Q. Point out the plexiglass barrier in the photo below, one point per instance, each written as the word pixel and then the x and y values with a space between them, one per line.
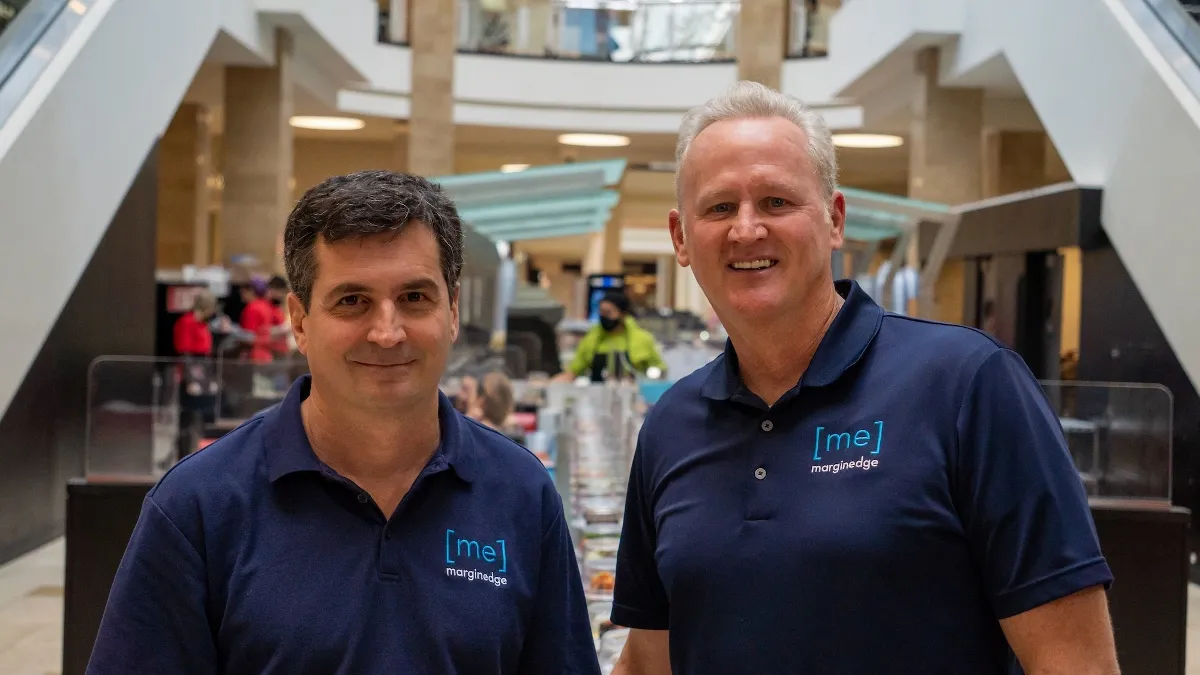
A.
pixel 1119 434
pixel 145 414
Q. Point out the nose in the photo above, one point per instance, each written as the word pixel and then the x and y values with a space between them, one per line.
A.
pixel 747 227
pixel 387 326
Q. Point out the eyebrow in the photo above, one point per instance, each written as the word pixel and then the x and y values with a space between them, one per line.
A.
pixel 351 287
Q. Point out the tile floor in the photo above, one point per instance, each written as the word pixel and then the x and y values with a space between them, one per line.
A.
pixel 31 602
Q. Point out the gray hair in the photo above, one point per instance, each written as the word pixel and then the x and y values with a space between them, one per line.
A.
pixel 749 100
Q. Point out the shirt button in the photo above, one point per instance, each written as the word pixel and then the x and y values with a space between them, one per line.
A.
pixel 362 498
pixel 768 425
pixel 760 473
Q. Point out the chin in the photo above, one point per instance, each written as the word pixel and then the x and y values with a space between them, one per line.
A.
pixel 754 305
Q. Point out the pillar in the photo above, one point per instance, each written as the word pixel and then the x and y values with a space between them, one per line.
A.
pixel 1014 161
pixel 184 166
pixel 531 32
pixel 433 38
pixel 762 40
pixel 258 158
pixel 945 164
pixel 664 283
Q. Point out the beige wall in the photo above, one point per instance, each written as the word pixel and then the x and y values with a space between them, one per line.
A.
pixel 762 40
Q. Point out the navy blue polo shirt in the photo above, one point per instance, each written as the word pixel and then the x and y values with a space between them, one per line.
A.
pixel 252 556
pixel 910 491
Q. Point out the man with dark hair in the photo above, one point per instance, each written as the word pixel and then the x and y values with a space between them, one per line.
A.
pixel 363 525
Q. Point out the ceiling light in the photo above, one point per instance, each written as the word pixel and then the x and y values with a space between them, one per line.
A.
pixel 513 168
pixel 872 141
pixel 327 123
pixel 594 140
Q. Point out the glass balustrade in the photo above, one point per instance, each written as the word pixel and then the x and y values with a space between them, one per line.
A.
pixel 617 30
pixel 808 27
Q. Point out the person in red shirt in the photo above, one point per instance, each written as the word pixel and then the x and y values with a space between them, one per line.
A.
pixel 256 320
pixel 277 290
pixel 192 335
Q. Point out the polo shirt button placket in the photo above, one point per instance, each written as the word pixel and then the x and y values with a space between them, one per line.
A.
pixel 768 425
pixel 760 473
pixel 363 498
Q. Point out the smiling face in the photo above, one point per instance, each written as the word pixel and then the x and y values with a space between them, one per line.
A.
pixel 381 321
pixel 754 227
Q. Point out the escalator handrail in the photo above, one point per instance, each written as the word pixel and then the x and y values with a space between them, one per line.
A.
pixel 26 30
pixel 1180 23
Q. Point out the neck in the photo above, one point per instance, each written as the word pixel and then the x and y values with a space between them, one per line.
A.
pixel 773 354
pixel 367 446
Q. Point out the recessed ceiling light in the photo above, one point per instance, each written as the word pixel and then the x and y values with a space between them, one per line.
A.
pixel 327 123
pixel 594 140
pixel 513 168
pixel 872 141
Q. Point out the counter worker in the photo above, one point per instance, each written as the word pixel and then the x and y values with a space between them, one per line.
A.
pixel 257 320
pixel 843 491
pixel 191 334
pixel 193 341
pixel 614 346
pixel 362 525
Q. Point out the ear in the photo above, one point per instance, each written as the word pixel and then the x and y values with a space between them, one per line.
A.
pixel 837 219
pixel 675 222
pixel 298 315
pixel 454 293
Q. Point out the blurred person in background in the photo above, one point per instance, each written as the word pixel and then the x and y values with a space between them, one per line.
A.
pixel 282 342
pixel 494 404
pixel 615 347
pixel 192 335
pixel 840 468
pixel 362 525
pixel 198 382
pixel 257 320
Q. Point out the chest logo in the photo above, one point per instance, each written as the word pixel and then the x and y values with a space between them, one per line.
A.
pixel 835 451
pixel 476 560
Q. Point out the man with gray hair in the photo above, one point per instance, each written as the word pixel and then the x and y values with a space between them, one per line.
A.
pixel 844 490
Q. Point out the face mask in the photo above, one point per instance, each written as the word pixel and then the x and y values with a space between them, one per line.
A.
pixel 277 301
pixel 609 324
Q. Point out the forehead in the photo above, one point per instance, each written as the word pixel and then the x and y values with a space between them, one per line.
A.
pixel 380 260
pixel 746 150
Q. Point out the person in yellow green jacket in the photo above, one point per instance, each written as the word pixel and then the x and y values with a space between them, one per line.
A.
pixel 615 346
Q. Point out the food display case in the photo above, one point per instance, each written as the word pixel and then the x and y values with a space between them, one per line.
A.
pixel 1119 435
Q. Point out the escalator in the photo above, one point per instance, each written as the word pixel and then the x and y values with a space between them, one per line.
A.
pixel 86 88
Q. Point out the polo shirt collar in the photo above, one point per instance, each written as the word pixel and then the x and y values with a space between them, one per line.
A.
pixel 848 337
pixel 288 450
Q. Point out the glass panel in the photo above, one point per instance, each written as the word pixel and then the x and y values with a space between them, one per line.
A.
pixel 1172 26
pixel 1119 435
pixel 619 31
pixel 145 414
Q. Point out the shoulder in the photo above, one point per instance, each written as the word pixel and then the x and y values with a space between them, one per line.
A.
pixel 925 342
pixel 498 457
pixel 204 480
pixel 681 401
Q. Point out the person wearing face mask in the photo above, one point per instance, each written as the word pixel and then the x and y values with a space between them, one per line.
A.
pixel 614 347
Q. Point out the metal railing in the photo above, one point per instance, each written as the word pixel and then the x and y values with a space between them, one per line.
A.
pixel 33 35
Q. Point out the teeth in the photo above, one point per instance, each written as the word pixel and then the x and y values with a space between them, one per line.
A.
pixel 752 265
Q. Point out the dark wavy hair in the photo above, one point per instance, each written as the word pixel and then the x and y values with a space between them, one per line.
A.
pixel 366 204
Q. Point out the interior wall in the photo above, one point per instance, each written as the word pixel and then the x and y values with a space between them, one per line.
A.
pixel 110 311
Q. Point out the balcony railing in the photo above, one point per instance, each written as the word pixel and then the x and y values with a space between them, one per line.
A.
pixel 612 30
pixel 808 27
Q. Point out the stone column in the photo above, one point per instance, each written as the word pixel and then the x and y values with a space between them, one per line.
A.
pixel 664 284
pixel 433 38
pixel 531 28
pixel 762 40
pixel 258 158
pixel 1013 161
pixel 945 163
pixel 184 166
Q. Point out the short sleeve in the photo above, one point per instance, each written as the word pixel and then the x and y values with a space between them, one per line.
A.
pixel 639 597
pixel 559 641
pixel 1019 494
pixel 155 621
